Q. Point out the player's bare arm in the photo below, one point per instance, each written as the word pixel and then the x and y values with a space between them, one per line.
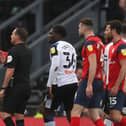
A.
pixel 92 72
pixel 120 78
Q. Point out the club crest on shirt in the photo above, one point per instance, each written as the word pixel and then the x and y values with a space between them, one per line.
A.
pixel 9 59
pixel 123 51
pixel 90 48
pixel 53 50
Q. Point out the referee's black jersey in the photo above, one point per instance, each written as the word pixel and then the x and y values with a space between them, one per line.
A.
pixel 20 58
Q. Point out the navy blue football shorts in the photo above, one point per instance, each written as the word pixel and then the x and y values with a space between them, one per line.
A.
pixel 98 94
pixel 116 102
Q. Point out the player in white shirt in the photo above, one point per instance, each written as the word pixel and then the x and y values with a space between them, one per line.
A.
pixel 62 81
pixel 108 49
pixel 63 64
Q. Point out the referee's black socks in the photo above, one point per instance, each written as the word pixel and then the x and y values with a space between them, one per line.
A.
pixel 9 122
pixel 19 122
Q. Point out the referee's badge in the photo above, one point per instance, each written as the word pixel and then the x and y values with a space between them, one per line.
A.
pixel 90 48
pixel 53 50
pixel 123 51
pixel 9 59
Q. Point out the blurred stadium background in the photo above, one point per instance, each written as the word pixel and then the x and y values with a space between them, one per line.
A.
pixel 38 16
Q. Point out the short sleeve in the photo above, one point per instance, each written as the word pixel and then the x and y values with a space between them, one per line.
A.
pixel 91 48
pixel 11 59
pixel 121 52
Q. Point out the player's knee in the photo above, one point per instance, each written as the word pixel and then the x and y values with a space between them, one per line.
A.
pixel 115 116
pixel 76 111
pixel 94 114
pixel 19 116
pixel 4 115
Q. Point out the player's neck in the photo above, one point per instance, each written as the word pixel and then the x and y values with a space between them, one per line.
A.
pixel 88 34
pixel 116 39
pixel 20 42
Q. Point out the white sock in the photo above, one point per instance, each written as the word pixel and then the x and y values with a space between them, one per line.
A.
pixel 50 123
pixel 107 122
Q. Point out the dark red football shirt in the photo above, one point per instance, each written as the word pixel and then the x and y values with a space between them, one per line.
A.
pixel 118 53
pixel 93 45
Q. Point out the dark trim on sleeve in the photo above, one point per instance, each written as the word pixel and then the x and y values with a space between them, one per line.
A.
pixel 120 47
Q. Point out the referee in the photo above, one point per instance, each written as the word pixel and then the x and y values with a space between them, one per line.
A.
pixel 15 89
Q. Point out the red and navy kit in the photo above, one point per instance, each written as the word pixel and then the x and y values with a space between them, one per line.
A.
pixel 118 53
pixel 93 45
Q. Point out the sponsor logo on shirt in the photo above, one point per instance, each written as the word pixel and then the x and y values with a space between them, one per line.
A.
pixel 123 51
pixel 90 48
pixel 53 50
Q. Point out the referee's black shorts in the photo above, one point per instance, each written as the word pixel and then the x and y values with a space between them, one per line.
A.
pixel 15 98
pixel 65 95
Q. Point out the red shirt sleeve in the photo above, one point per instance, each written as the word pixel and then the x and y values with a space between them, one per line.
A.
pixel 122 54
pixel 91 49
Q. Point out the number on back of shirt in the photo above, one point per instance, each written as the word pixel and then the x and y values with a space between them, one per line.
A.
pixel 70 60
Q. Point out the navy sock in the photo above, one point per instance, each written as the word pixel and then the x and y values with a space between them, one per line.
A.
pixel 9 122
pixel 49 121
pixel 19 122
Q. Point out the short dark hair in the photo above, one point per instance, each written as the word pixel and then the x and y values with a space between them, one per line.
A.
pixel 59 29
pixel 124 28
pixel 22 33
pixel 116 24
pixel 87 22
pixel 108 23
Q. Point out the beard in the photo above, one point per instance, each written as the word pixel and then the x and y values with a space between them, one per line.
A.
pixel 110 39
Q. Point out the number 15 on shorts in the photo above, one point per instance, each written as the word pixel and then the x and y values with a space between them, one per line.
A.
pixel 112 101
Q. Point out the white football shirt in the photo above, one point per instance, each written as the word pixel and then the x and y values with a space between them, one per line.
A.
pixel 63 64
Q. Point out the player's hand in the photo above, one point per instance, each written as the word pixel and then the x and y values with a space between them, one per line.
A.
pixel 2 93
pixel 50 92
pixel 2 57
pixel 89 91
pixel 79 82
pixel 114 91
